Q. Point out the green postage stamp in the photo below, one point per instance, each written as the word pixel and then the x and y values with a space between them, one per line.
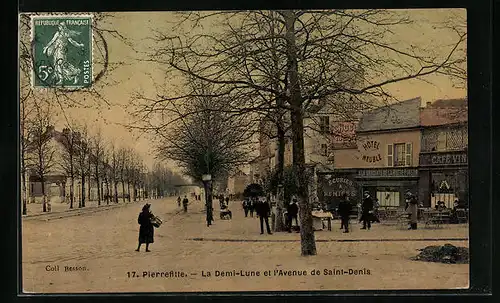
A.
pixel 62 51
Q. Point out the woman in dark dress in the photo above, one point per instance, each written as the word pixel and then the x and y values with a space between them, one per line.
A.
pixel 146 231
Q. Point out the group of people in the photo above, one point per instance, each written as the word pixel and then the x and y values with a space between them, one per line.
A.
pixel 369 207
pixel 263 210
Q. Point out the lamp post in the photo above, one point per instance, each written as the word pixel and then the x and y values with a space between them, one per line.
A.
pixel 207 178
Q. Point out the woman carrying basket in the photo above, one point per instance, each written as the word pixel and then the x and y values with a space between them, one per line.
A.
pixel 147 221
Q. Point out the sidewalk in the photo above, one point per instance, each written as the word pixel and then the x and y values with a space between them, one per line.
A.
pixel 62 210
pixel 241 228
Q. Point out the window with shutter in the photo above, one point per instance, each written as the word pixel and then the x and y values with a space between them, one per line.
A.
pixel 390 157
pixel 409 154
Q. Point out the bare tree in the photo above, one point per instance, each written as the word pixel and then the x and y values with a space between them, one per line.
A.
pixel 69 158
pixel 42 147
pixel 83 155
pixel 323 56
pixel 98 147
pixel 122 167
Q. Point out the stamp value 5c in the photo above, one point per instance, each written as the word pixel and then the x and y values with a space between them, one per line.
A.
pixel 62 51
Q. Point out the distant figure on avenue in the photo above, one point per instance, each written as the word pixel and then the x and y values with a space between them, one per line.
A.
pixel 367 211
pixel 412 208
pixel 263 210
pixel 292 210
pixel 185 203
pixel 374 216
pixel 179 201
pixel 227 201
pixel 246 206
pixel 146 231
pixel 345 208
pixel 251 206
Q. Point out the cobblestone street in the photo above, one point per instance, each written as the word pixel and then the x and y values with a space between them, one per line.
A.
pixel 99 248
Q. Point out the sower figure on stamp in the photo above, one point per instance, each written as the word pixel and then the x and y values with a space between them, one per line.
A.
pixel 263 211
pixel 146 231
pixel 345 208
pixel 57 48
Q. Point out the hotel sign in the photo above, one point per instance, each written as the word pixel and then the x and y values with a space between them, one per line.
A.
pixel 427 159
pixel 388 173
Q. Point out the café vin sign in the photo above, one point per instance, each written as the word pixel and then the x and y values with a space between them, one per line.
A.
pixel 428 159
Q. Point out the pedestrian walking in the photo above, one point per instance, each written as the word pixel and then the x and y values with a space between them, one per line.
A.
pixel 251 207
pixel 146 231
pixel 263 210
pixel 179 201
pixel 246 205
pixel 367 211
pixel 185 203
pixel 227 201
pixel 292 211
pixel 345 208
pixel 412 209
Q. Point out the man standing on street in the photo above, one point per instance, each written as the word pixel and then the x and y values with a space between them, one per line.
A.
pixel 263 211
pixel 412 209
pixel 292 210
pixel 345 208
pixel 366 211
pixel 185 203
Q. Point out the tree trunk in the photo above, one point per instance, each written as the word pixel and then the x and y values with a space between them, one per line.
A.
pixel 24 190
pixel 83 191
pixel 135 191
pixel 89 187
pixel 280 165
pixel 308 244
pixel 128 191
pixel 44 199
pixel 71 191
pixel 98 185
pixel 107 191
pixel 123 190
pixel 116 191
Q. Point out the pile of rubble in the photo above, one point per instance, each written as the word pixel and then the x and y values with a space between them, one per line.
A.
pixel 444 254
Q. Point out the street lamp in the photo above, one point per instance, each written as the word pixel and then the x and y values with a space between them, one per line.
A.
pixel 207 178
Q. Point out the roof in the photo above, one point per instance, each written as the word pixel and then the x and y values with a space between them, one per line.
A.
pixel 444 112
pixel 405 114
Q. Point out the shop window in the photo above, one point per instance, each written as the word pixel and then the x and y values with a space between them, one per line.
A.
pixel 390 155
pixel 441 141
pixel 388 198
pixel 409 154
pixel 447 198
pixel 324 124
pixel 400 154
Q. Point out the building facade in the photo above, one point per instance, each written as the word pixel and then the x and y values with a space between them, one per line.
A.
pixel 381 156
pixel 443 157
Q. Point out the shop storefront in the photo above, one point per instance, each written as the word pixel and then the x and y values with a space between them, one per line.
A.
pixel 388 185
pixel 333 185
pixel 444 177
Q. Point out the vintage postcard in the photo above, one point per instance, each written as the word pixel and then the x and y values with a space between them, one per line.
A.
pixel 222 151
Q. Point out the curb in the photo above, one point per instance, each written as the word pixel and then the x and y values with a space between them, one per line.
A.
pixel 73 212
pixel 330 240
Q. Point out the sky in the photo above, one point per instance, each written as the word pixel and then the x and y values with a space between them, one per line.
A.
pixel 137 75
